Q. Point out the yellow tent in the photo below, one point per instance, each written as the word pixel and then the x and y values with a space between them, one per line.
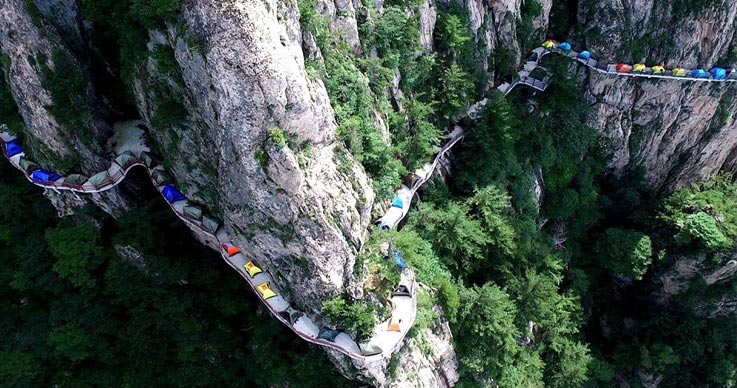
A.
pixel 658 69
pixel 679 72
pixel 639 67
pixel 252 269
pixel 265 291
pixel 548 44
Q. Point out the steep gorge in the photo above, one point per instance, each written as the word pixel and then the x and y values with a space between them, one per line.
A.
pixel 234 75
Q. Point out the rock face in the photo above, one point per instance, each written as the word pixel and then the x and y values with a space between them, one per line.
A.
pixel 284 201
pixel 680 132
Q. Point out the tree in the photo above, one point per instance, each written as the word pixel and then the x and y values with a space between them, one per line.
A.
pixel 702 230
pixel 626 252
pixel 486 338
pixel 351 316
pixel 77 251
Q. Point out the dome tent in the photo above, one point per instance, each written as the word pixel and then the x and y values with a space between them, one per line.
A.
pixel 585 55
pixel 718 72
pixel 397 202
pixel 172 194
pixel 679 72
pixel 639 67
pixel 699 73
pixel 658 69
pixel 28 165
pixel 12 148
pixel 548 44
pixel 624 68
pixel 99 179
pixel 44 176
pixel 565 46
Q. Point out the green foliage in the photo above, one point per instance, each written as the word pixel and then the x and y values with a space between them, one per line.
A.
pixel 487 315
pixel 626 252
pixel 278 137
pixel 702 229
pixel 704 214
pixel 76 247
pixel 179 317
pixel 9 114
pixel 70 95
pixel 352 316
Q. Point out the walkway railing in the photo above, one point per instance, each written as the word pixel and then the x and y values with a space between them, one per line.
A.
pixel 221 236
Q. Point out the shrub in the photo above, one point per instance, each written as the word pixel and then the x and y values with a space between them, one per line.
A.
pixel 278 137
pixel 352 316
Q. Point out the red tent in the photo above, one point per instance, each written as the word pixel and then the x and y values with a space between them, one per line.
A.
pixel 624 68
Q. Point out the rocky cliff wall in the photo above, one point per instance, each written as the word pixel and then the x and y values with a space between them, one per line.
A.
pixel 679 132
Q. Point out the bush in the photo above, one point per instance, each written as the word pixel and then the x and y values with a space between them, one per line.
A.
pixel 701 229
pixel 278 137
pixel 351 316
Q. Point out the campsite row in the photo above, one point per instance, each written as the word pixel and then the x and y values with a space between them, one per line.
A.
pixel 715 73
pixel 388 335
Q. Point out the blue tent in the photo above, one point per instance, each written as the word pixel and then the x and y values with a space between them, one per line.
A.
pixel 565 46
pixel 699 73
pixel 398 202
pixel 399 259
pixel 172 194
pixel 13 148
pixel 44 176
pixel 584 55
pixel 718 73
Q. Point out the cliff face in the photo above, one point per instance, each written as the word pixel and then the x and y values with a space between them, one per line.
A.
pixel 680 132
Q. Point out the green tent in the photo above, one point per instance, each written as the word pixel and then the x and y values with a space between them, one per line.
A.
pixel 193 211
pixel 211 224
pixel 75 179
pixel 369 349
pixel 328 334
pixel 147 159
pixel 125 159
pixel 28 165
pixel 99 179
pixel 292 314
pixel 160 177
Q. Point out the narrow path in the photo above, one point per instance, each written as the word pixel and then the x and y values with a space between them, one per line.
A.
pixel 131 151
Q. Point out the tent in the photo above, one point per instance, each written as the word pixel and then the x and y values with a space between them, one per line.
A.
pixel 75 179
pixel 172 194
pixel 125 159
pixel 679 72
pixel 100 179
pixel 718 73
pixel 624 68
pixel 328 334
pixel 639 67
pixel 533 57
pixel 160 177
pixel 252 268
pixel 44 176
pixel 658 69
pixel 230 248
pixel 585 55
pixel 699 73
pixel 368 349
pixel 265 291
pixel 147 159
pixel 13 148
pixel 211 224
pixel 292 314
pixel 565 46
pixel 192 211
pixel 393 326
pixel 401 290
pixel 28 165
pixel 397 202
pixel 399 259
pixel 548 44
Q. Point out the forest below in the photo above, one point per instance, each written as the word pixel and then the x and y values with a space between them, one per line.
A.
pixel 560 289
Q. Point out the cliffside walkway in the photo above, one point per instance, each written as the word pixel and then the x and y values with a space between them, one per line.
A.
pixel 131 152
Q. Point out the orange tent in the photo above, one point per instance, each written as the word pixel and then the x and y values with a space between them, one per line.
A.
pixel 394 326
pixel 624 68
